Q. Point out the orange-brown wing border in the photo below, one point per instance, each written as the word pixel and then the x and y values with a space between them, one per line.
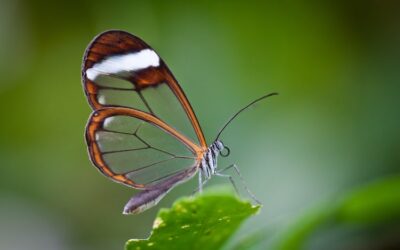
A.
pixel 96 121
pixel 113 42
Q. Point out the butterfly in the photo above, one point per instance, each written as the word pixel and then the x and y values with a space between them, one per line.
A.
pixel 143 131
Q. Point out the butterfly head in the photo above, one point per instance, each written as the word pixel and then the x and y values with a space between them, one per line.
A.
pixel 223 150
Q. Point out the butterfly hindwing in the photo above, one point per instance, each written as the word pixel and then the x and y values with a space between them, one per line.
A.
pixel 136 148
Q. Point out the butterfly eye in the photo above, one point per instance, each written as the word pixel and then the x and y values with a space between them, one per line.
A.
pixel 225 152
pixel 220 146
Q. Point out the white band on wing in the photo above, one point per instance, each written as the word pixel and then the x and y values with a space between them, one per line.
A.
pixel 124 63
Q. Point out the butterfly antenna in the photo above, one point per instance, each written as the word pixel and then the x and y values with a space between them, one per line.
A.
pixel 243 109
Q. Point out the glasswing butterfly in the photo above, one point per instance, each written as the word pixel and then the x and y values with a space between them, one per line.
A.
pixel 143 132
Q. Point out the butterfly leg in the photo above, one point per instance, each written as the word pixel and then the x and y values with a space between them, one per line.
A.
pixel 235 167
pixel 200 182
pixel 230 179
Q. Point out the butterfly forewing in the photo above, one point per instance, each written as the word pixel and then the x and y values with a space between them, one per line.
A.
pixel 121 70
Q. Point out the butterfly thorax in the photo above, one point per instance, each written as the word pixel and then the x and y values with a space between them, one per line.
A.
pixel 208 164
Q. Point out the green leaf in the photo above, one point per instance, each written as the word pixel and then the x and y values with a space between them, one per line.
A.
pixel 202 222
pixel 376 205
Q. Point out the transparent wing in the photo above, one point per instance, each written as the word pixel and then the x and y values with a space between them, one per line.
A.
pixel 136 148
pixel 120 70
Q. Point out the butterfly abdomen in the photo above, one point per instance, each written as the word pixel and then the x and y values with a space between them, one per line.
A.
pixel 151 196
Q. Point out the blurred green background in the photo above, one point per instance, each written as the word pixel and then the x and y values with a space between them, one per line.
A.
pixel 333 128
